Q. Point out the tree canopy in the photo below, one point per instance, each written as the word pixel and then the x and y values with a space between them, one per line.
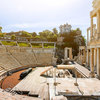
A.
pixel 48 35
pixel 73 39
pixel 0 29
pixel 34 34
pixel 55 31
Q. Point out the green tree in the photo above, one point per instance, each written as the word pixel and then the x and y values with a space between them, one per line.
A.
pixel 55 31
pixel 74 40
pixel 13 37
pixel 26 34
pixel 2 34
pixel 34 34
pixel 0 29
pixel 48 35
pixel 45 34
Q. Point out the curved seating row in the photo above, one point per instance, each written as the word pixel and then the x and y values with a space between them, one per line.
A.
pixel 14 58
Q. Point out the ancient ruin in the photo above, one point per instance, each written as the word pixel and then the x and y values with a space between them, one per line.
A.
pixel 79 79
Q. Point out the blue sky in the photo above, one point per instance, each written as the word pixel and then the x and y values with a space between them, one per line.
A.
pixel 38 15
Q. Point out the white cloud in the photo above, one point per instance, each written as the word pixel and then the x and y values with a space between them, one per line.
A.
pixel 34 25
pixel 43 14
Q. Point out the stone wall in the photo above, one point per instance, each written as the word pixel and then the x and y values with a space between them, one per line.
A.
pixel 12 57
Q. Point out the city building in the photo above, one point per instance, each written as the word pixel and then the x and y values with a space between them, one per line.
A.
pixel 65 28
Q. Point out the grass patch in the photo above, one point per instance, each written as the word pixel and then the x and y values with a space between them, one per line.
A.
pixel 39 45
pixel 36 45
pixel 48 45
pixel 24 44
pixel 9 43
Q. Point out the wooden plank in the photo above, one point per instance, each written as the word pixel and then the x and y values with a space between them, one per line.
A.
pixel 34 83
pixel 46 70
pixel 65 66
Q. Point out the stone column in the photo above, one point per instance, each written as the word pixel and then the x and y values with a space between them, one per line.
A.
pixel 81 56
pixel 95 58
pixel 87 57
pixel 91 27
pixel 84 56
pixel 66 54
pixel 92 60
pixel 98 24
pixel 98 62
pixel 70 53
pixel 87 36
pixel 92 74
pixel 94 30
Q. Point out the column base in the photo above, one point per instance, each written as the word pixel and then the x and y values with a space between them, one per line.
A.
pixel 98 77
pixel 87 65
pixel 98 35
pixel 92 74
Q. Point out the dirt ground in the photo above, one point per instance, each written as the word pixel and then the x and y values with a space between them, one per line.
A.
pixel 11 81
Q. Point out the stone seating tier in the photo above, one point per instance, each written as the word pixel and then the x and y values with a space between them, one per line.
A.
pixel 16 57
